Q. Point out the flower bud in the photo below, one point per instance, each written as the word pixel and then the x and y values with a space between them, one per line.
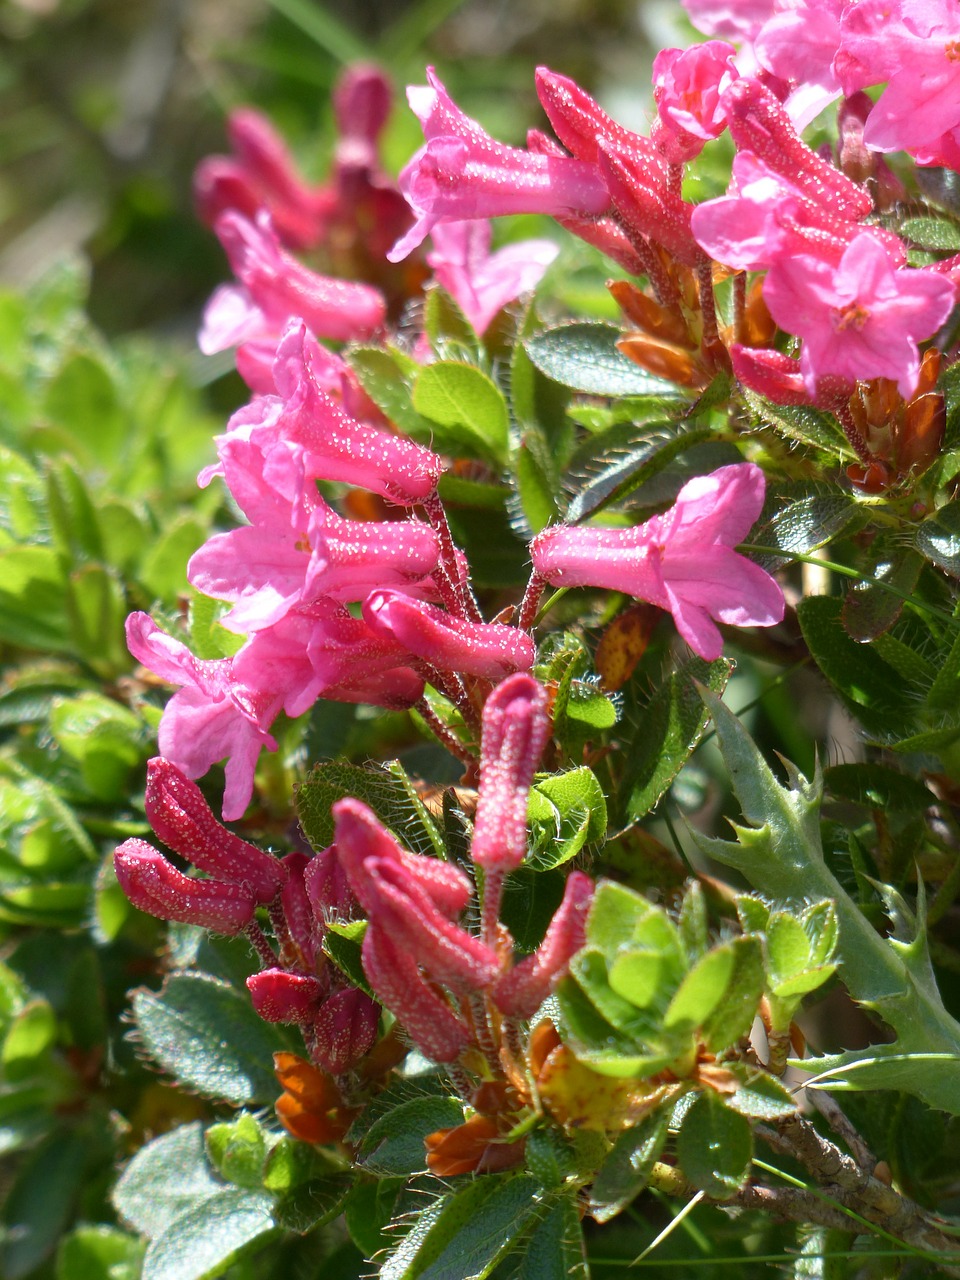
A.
pixel 154 885
pixel 522 990
pixel 515 730
pixel 182 819
pixel 281 996
pixel 344 1030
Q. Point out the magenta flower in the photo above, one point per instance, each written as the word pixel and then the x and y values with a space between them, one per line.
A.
pixel 155 886
pixel 182 819
pixel 913 45
pixel 515 730
pixel 861 319
pixel 682 561
pixel 521 991
pixel 687 84
pixel 490 650
pixel 481 282
pixel 463 173
pixel 277 288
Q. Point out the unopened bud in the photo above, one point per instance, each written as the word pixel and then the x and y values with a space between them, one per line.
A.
pixel 281 996
pixel 515 730
pixel 522 990
pixel 183 820
pixel 344 1030
pixel 154 885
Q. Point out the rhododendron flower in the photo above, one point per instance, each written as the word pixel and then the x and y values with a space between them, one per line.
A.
pixel 486 649
pixel 521 991
pixel 155 886
pixel 481 282
pixel 687 84
pixel 462 172
pixel 861 319
pixel 515 730
pixel 277 288
pixel 737 19
pixel 682 561
pixel 913 45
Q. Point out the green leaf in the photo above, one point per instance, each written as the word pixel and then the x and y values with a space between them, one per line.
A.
pixel 386 382
pixel 73 516
pixel 39 1203
pixel 163 570
pixel 802 423
pixel 714 1147
pixel 99 1253
pixel 610 467
pixel 96 606
pixel 674 721
pixel 385 788
pixel 394 1143
pixel 701 990
pixel 534 487
pixel 32 587
pixel 203 1241
pixel 342 942
pixel 82 401
pixel 808 523
pixel 446 326
pixel 566 812
pixel 464 1235
pixel 164 1179
pixel 932 233
pixel 103 737
pixel 555 1249
pixel 584 356
pixel 237 1150
pixel 877 786
pixel 31 1033
pixel 938 538
pixel 208 1037
pixel 461 396
pixel 313 1203
pixel 868 609
pixel 626 1170
pixel 759 1095
pixel 865 682
pixel 368 1211
pixel 733 1017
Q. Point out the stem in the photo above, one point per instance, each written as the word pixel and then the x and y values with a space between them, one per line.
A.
pixel 461 601
pixel 445 735
pixel 258 940
pixel 708 304
pixel 490 908
pixel 852 432
pixel 857 574
pixel 527 617
pixel 739 304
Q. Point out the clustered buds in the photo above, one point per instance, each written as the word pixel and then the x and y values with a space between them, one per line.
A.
pixel 298 985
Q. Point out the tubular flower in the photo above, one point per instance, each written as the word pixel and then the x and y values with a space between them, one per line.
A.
pixel 515 729
pixel 682 561
pixel 155 886
pixel 462 172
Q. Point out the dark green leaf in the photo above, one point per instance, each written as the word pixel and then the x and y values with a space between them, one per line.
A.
pixel 759 1095
pixel 342 943
pixel 714 1146
pixel 368 1210
pixel 584 356
pixel 869 609
pixel 877 786
pixel 938 538
pixel 39 1203
pixel 208 1037
pixel 623 459
pixel 446 326
pixel 385 788
pixel 932 233
pixel 164 1179
pixel 627 1168
pixel 465 1234
pixel 312 1203
pixel 555 1248
pixel 810 522
pixel 800 422
pixel 868 685
pixel 204 1240
pixel 387 384
pixel 99 1253
pixel 394 1143
pixel 674 721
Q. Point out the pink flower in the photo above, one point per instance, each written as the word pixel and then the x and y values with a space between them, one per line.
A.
pixel 736 19
pixel 861 319
pixel 462 172
pixel 205 721
pixel 914 45
pixel 481 282
pixel 154 885
pixel 276 288
pixel 487 649
pixel 521 991
pixel 515 729
pixel 687 84
pixel 682 560
pixel 182 819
